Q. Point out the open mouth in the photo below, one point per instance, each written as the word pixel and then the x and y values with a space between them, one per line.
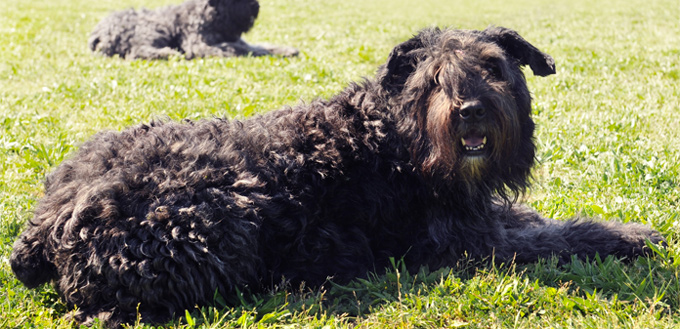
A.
pixel 473 143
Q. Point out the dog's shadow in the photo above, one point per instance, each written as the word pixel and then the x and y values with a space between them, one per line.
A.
pixel 465 291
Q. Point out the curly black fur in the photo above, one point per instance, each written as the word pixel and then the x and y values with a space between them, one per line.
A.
pixel 196 28
pixel 425 161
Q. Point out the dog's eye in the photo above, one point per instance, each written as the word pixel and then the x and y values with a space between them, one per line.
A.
pixel 494 71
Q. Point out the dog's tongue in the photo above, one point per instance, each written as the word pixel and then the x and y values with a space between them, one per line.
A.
pixel 473 141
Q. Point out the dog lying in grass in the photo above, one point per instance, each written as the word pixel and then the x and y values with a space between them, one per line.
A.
pixel 425 161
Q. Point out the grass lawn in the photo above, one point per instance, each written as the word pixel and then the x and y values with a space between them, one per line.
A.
pixel 608 135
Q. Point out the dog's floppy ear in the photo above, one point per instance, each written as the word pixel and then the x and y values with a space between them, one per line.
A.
pixel 402 61
pixel 514 45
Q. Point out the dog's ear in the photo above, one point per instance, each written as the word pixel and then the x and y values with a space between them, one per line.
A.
pixel 402 61
pixel 514 45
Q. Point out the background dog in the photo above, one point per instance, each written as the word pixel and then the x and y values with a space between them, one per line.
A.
pixel 196 28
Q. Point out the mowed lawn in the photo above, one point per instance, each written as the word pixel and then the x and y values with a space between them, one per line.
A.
pixel 608 131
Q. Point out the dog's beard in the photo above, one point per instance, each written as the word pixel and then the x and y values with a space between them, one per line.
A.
pixel 472 172
pixel 473 155
pixel 473 167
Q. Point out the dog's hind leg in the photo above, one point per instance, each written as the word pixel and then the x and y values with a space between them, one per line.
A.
pixel 29 261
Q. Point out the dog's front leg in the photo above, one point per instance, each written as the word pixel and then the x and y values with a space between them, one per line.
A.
pixel 151 52
pixel 199 49
pixel 277 50
pixel 530 236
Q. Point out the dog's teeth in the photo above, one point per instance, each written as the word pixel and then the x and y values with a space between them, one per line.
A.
pixel 474 148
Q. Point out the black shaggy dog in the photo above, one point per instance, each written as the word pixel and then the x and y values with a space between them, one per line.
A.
pixel 425 161
pixel 196 28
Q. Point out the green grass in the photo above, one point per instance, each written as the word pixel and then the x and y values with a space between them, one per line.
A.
pixel 608 135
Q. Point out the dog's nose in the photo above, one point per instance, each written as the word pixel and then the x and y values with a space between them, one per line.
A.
pixel 472 111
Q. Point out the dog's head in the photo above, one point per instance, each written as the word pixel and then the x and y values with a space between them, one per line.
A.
pixel 466 107
pixel 235 16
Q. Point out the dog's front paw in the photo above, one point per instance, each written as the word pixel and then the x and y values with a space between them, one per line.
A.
pixel 636 237
pixel 284 51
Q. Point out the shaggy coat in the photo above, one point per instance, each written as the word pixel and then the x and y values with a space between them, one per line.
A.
pixel 196 28
pixel 425 162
